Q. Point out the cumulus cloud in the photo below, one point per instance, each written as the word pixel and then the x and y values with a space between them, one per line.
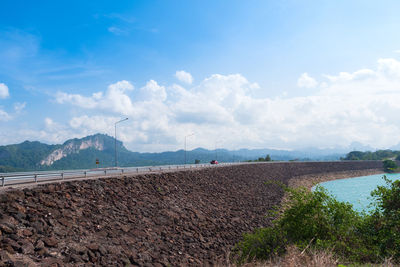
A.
pixel 115 99
pixel 353 106
pixel 362 74
pixel 184 76
pixel 4 91
pixel 4 116
pixel 306 81
pixel 153 91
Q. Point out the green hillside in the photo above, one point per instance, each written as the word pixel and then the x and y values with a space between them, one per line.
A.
pixel 82 154
pixel 24 156
pixel 377 155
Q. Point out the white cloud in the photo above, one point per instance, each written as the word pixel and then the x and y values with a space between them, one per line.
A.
pixel 184 76
pixel 49 122
pixel 357 106
pixel 115 99
pixel 152 91
pixel 389 67
pixel 4 93
pixel 306 81
pixel 18 107
pixel 116 30
pixel 4 116
pixel 362 74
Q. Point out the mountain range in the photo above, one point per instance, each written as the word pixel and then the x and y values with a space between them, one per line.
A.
pixel 83 153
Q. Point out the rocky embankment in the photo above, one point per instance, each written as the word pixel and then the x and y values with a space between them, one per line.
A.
pixel 168 219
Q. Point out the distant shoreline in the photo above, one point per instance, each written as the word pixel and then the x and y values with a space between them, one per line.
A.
pixel 311 180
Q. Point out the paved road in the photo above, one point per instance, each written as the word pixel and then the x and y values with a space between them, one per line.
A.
pixel 29 179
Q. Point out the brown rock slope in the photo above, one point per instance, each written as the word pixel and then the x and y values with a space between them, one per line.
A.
pixel 181 218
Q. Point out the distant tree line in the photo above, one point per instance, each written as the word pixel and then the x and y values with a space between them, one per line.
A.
pixel 267 158
pixel 377 155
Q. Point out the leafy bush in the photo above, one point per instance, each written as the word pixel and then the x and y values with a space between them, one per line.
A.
pixel 386 217
pixel 262 244
pixel 389 165
pixel 319 221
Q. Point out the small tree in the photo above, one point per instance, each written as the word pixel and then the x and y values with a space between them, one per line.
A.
pixel 268 158
pixel 386 218
pixel 389 165
pixel 196 161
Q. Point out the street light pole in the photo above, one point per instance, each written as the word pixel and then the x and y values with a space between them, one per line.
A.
pixel 185 144
pixel 216 157
pixel 115 125
pixel 216 153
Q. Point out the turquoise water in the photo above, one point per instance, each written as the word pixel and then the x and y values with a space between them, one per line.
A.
pixel 357 191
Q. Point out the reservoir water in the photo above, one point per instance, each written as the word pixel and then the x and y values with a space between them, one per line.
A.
pixel 357 191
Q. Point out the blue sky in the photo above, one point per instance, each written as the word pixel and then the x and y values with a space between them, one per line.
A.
pixel 283 74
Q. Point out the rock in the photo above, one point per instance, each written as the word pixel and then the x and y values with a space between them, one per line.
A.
pixel 125 228
pixel 78 248
pixel 51 188
pixel 42 252
pixel 85 257
pixel 27 248
pixel 9 220
pixel 17 207
pixel 92 256
pixel 65 222
pixel 39 245
pixel 7 228
pixel 14 237
pixel 27 232
pixel 12 243
pixel 102 250
pixel 52 262
pixel 93 247
pixel 50 241
pixel 8 248
pixel 6 257
pixel 38 226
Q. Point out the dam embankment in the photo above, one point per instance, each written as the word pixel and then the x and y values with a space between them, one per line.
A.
pixel 167 219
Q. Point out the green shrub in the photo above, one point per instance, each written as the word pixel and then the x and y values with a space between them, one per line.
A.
pixel 317 220
pixel 389 165
pixel 386 218
pixel 263 244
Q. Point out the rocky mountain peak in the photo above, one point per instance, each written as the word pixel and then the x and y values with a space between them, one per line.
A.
pixel 99 142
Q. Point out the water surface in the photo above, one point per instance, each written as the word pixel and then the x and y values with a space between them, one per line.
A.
pixel 357 191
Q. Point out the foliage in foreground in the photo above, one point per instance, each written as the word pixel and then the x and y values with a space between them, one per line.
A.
pixel 317 221
pixel 389 166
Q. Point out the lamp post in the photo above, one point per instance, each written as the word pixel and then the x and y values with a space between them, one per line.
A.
pixel 216 157
pixel 216 153
pixel 115 125
pixel 185 143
